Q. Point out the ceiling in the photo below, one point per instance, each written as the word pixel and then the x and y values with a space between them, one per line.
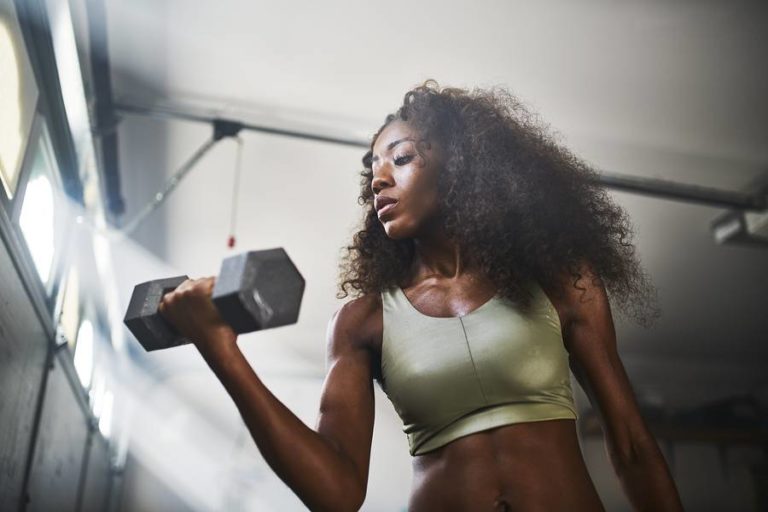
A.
pixel 671 90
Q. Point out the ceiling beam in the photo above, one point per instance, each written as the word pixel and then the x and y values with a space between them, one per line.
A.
pixel 663 189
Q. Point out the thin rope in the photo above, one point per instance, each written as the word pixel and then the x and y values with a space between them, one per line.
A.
pixel 235 190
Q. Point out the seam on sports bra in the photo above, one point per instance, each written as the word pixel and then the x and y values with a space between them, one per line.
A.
pixel 383 382
pixel 471 358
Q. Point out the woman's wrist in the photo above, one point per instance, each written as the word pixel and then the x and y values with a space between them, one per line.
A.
pixel 218 344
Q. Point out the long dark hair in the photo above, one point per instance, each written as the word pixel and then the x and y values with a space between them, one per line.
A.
pixel 524 206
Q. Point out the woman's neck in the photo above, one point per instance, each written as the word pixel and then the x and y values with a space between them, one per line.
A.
pixel 439 257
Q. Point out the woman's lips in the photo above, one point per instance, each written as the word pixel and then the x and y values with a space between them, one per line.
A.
pixel 386 209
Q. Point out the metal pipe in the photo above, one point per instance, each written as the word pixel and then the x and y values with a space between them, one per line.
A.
pixel 169 187
pixel 682 192
pixel 163 113
pixel 647 186
pixel 106 137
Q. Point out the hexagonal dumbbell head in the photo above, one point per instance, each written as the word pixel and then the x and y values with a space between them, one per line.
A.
pixel 144 320
pixel 258 290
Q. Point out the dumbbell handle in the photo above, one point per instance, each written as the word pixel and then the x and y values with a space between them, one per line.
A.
pixel 145 321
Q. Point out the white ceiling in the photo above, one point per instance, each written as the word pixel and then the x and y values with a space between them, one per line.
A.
pixel 681 75
pixel 649 88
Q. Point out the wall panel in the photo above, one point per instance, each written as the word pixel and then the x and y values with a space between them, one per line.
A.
pixel 23 349
pixel 59 452
pixel 97 476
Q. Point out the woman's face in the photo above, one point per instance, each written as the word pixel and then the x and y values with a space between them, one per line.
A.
pixel 406 169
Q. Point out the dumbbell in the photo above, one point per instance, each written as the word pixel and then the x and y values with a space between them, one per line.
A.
pixel 255 290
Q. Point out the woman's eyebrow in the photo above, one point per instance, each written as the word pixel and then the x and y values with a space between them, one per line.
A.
pixel 392 145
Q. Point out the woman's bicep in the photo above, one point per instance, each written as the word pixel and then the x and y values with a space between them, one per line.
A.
pixel 595 362
pixel 346 412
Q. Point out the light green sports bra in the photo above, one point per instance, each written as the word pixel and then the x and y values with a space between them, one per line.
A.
pixel 454 376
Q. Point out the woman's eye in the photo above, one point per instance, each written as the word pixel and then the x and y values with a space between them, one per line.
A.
pixel 402 160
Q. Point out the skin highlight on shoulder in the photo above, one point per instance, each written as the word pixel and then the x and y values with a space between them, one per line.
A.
pixel 362 318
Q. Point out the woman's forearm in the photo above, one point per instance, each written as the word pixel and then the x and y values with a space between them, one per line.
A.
pixel 648 482
pixel 321 476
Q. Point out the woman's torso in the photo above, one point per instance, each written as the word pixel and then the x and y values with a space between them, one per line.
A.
pixel 526 466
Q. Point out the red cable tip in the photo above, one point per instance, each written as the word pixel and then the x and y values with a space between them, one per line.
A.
pixel 231 241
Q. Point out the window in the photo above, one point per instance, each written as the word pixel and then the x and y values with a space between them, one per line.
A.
pixel 43 214
pixel 18 98
pixel 84 353
pixel 101 400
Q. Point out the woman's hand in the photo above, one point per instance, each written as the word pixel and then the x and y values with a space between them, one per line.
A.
pixel 190 310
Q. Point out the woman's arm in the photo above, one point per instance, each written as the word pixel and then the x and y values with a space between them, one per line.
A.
pixel 327 468
pixel 590 339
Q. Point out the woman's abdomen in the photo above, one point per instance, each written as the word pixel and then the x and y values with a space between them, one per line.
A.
pixel 527 467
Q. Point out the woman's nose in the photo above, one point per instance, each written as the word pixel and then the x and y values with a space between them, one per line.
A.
pixel 380 181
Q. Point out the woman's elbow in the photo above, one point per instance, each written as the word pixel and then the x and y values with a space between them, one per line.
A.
pixel 343 497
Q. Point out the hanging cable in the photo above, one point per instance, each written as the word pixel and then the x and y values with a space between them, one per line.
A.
pixel 222 128
pixel 235 189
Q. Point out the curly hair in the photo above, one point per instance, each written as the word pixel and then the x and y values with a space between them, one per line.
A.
pixel 521 204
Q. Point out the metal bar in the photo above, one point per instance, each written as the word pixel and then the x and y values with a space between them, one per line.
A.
pixel 163 113
pixel 169 187
pixel 679 191
pixel 647 186
pixel 106 138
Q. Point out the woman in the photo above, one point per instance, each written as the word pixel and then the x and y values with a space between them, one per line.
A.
pixel 483 268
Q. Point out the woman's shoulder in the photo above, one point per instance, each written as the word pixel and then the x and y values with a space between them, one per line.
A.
pixel 362 318
pixel 568 294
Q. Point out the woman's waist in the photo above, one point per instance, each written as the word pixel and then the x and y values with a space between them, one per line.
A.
pixel 504 449
pixel 520 465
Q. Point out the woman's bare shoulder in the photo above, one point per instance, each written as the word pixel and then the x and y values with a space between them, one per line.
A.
pixel 362 319
pixel 569 291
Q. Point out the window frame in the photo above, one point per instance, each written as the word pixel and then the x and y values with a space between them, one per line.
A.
pixel 7 202
pixel 34 25
pixel 61 254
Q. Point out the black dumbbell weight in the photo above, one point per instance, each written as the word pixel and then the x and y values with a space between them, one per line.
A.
pixel 255 290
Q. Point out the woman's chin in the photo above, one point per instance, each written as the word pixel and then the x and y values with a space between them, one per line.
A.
pixel 394 231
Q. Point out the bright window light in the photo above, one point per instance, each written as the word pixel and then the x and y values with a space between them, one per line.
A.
pixel 36 223
pixel 105 420
pixel 101 399
pixel 84 353
pixel 44 213
pixel 10 137
pixel 97 394
pixel 18 95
